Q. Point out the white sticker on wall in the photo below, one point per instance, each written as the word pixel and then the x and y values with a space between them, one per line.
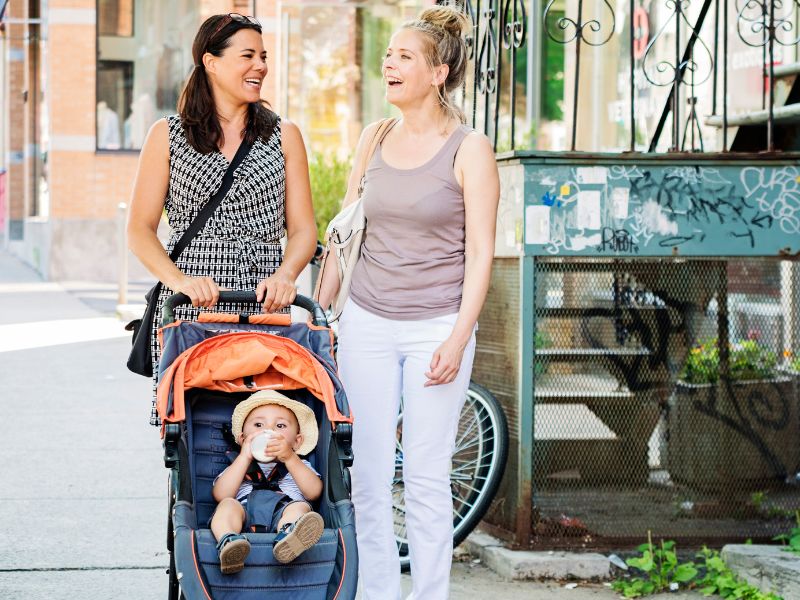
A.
pixel 592 175
pixel 537 224
pixel 619 202
pixel 588 210
pixel 578 243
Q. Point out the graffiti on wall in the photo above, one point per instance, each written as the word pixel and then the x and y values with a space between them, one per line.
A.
pixel 632 210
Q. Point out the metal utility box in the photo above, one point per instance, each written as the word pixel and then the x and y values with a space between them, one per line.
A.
pixel 641 331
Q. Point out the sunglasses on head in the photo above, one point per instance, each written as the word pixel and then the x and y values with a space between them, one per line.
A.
pixel 230 17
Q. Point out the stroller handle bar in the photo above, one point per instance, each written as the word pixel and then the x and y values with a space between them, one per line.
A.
pixel 242 297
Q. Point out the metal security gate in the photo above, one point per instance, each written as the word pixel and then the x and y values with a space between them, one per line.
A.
pixel 640 421
pixel 664 340
pixel 642 333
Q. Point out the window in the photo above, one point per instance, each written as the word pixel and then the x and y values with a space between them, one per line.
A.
pixel 114 96
pixel 144 56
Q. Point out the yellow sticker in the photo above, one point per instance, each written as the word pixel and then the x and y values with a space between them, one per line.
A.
pixel 797 179
pixel 565 190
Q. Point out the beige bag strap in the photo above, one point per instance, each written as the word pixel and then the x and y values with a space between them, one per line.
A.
pixel 383 128
pixel 380 133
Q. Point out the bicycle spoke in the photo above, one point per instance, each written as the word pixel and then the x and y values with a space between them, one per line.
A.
pixel 469 487
pixel 474 443
pixel 465 503
pixel 465 465
pixel 471 427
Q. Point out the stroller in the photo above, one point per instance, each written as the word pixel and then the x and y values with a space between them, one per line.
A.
pixel 207 367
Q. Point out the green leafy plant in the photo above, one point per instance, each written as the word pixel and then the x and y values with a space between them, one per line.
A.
pixel 661 570
pixel 791 539
pixel 329 176
pixel 748 360
pixel 721 581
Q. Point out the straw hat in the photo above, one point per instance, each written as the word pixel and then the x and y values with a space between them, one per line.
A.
pixel 305 416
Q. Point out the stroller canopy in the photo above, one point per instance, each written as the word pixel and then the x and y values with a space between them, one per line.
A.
pixel 239 359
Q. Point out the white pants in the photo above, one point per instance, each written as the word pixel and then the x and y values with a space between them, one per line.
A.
pixel 380 360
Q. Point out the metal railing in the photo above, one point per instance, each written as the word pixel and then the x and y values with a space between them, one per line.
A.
pixel 688 53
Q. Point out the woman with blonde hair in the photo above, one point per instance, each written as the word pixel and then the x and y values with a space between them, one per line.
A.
pixel 408 327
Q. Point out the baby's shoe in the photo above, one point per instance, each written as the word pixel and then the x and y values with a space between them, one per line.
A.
pixel 295 538
pixel 233 548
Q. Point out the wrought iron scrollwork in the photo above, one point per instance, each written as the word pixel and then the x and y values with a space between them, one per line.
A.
pixel 488 55
pixel 514 35
pixel 762 24
pixel 496 25
pixel 514 18
pixel 759 17
pixel 591 32
pixel 676 70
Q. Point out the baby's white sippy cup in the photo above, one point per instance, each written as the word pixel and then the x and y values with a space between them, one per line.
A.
pixel 258 446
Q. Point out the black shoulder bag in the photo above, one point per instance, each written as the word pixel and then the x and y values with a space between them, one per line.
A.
pixel 141 358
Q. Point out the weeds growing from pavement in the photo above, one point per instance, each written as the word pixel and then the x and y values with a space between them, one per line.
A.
pixel 661 571
pixel 791 539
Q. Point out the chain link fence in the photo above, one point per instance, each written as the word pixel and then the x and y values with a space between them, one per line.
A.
pixel 665 400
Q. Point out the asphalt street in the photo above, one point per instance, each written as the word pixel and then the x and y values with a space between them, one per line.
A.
pixel 83 495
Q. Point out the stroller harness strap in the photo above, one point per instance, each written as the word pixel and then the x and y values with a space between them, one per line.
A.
pixel 256 476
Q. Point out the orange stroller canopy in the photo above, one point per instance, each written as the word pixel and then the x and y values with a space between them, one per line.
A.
pixel 244 361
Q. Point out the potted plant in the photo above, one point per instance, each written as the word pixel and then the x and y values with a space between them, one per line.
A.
pixel 733 420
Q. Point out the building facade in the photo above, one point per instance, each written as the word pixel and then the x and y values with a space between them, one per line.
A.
pixel 83 80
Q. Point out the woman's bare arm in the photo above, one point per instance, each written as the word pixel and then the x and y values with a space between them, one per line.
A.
pixel 279 290
pixel 147 204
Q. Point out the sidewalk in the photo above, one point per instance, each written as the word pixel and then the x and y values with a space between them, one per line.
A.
pixel 83 503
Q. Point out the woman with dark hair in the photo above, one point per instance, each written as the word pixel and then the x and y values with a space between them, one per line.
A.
pixel 408 326
pixel 181 167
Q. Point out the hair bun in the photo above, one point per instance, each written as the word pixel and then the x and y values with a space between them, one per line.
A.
pixel 448 18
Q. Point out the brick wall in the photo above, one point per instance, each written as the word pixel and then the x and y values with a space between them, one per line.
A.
pixel 15 35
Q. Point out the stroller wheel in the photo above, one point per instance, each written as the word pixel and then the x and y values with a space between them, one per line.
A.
pixel 479 460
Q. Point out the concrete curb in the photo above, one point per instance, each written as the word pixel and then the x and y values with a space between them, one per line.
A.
pixel 768 568
pixel 527 565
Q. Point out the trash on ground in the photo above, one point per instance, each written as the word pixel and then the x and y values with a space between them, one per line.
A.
pixel 617 562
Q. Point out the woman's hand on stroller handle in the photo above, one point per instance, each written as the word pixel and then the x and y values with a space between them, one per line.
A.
pixel 202 291
pixel 276 291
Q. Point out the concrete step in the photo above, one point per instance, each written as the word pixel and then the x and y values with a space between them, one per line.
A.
pixel 790 112
pixel 543 565
pixel 768 568
pixel 787 70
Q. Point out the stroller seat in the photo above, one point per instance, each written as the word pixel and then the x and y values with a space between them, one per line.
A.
pixel 195 447
pixel 208 414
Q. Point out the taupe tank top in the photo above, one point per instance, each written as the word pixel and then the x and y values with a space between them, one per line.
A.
pixel 412 254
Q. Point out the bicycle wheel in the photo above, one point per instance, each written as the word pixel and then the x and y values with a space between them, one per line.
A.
pixel 479 460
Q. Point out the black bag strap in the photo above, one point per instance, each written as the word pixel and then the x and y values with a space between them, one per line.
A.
pixel 209 208
pixel 213 202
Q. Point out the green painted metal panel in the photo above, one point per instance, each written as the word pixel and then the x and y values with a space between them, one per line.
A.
pixel 526 403
pixel 602 206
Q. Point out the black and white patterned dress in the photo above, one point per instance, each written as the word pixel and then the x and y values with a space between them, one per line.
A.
pixel 240 244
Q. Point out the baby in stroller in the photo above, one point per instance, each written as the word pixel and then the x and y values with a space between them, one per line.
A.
pixel 269 496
